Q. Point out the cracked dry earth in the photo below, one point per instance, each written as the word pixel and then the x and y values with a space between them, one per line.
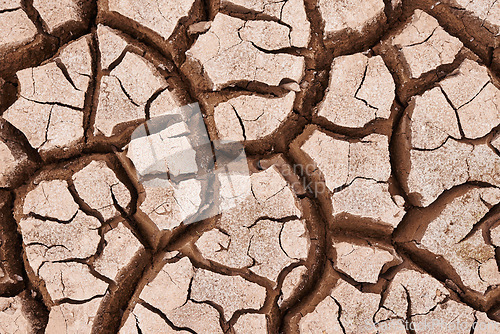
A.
pixel 370 198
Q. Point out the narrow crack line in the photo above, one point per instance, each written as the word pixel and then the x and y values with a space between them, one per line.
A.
pixel 45 194
pixel 360 86
pixel 240 91
pixel 137 325
pixel 339 189
pixel 85 261
pixel 36 243
pixel 100 276
pixel 190 289
pixel 239 32
pixel 258 117
pixel 348 163
pixel 433 149
pixel 285 219
pixel 424 41
pixel 221 230
pixel 254 262
pixel 475 227
pixel 486 204
pixel 117 205
pixel 148 106
pixel 247 14
pixel 217 307
pixel 82 205
pixel 290 28
pixel 290 49
pixel 240 121
pixel 156 209
pixel 457 8
pixel 100 247
pixel 221 52
pixel 222 248
pixel 46 139
pixel 64 70
pixel 162 315
pixel 281 244
pixel 491 32
pixel 493 100
pixel 125 91
pixel 90 106
pixel 477 94
pixel 71 260
pixel 352 251
pixel 10 10
pixel 408 310
pixel 53 103
pixel 161 12
pixel 52 219
pixel 170 278
pixel 437 128
pixel 460 128
pixel 468 165
pixel 474 324
pixel 65 323
pixel 339 314
pixel 62 283
pixel 33 81
pixel 382 307
pixel 77 301
pixel 40 267
pixel 276 193
pixel 218 47
pixel 432 309
pixel 281 9
pixel 479 264
pixel 487 14
pixel 118 60
pixel 129 217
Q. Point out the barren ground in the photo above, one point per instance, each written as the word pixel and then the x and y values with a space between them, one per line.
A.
pixel 370 195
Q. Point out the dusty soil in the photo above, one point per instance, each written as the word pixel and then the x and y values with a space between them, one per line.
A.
pixel 370 195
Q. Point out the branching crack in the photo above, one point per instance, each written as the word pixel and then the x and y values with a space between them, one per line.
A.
pixel 359 88
pixel 339 314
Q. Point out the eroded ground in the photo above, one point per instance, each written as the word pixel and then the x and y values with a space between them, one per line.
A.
pixel 368 202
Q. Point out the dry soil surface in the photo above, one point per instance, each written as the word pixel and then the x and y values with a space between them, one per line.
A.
pixel 369 200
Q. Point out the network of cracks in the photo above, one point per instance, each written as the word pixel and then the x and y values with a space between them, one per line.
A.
pixel 366 199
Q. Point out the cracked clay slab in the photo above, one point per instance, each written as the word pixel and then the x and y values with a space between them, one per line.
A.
pixel 225 55
pixel 360 90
